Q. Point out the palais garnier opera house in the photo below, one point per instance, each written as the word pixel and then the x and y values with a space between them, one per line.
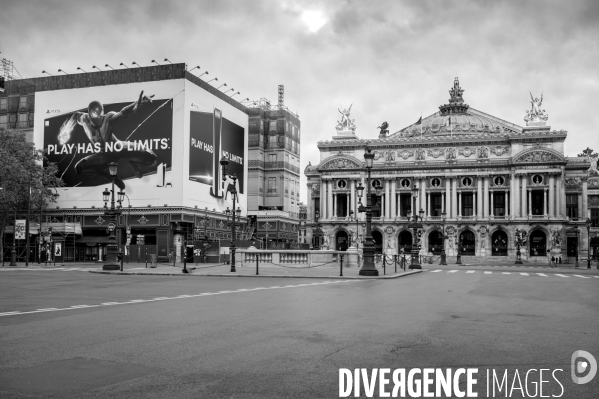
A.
pixel 481 179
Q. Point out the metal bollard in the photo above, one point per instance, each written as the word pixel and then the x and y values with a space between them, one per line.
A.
pixel 146 259
pixel 341 265
pixel 257 261
pixel 395 262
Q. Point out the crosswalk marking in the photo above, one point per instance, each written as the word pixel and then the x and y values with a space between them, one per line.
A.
pixel 488 272
pixel 470 271
pixel 542 275
pixel 506 273
pixel 435 271
pixel 524 274
pixel 561 275
pixel 453 271
pixel 578 275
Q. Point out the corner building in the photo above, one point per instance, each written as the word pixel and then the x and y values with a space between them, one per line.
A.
pixel 488 175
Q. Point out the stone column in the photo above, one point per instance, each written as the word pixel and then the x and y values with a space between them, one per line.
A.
pixel 486 197
pixel 329 200
pixel 479 197
pixel 454 198
pixel 558 196
pixel 551 196
pixel 412 201
pixel 529 202
pixel 545 202
pixel 334 204
pixel 585 198
pixel 387 198
pixel 323 198
pixel 524 194
pixel 393 198
pixel 515 211
pixel 447 202
pixel 422 195
pixel 354 200
pixel 460 204
pixel 507 208
pixel 443 199
pixel 428 205
pixel 491 213
pixel 348 204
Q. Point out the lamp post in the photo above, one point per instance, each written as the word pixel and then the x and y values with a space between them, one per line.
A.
pixel 415 225
pixel 368 269
pixel 316 231
pixel 588 223
pixel 112 212
pixel 520 238
pixel 443 254
pixel 267 226
pixel 224 162
pixel 577 245
pixel 49 250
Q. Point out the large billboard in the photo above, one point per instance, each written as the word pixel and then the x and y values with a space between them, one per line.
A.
pixel 135 135
pixel 213 136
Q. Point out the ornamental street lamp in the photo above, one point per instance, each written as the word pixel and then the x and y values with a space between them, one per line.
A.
pixel 443 255
pixel 224 162
pixel 368 269
pixel 112 212
pixel 316 231
pixel 520 239
pixel 588 223
pixel 416 225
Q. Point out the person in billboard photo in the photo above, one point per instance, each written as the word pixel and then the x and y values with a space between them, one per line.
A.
pixel 98 127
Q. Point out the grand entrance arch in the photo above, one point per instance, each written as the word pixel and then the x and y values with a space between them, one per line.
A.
pixel 435 242
pixel 499 243
pixel 341 241
pixel 378 241
pixel 468 240
pixel 538 243
pixel 404 241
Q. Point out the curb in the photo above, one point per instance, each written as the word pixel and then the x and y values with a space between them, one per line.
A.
pixel 394 276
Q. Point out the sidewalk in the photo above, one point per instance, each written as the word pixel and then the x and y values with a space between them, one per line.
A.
pixel 266 270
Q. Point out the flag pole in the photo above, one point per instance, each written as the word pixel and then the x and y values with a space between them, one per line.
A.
pixel 421 125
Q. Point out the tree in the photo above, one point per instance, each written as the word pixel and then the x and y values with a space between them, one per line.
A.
pixel 22 171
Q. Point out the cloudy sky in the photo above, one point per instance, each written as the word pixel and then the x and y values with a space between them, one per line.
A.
pixel 392 60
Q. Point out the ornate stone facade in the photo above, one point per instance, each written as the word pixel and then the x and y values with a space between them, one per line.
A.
pixel 488 176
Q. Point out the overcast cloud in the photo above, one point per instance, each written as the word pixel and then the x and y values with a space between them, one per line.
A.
pixel 392 59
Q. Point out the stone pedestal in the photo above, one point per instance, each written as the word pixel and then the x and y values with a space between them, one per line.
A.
pixel 351 258
pixel 344 135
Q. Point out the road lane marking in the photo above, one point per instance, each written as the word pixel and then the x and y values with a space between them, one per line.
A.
pixel 562 275
pixel 506 273
pixel 470 271
pixel 578 275
pixel 542 275
pixel 136 301
pixel 436 271
pixel 524 274
pixel 452 271
pixel 488 273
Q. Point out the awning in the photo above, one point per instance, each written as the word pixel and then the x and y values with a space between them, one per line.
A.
pixel 58 228
pixel 92 240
